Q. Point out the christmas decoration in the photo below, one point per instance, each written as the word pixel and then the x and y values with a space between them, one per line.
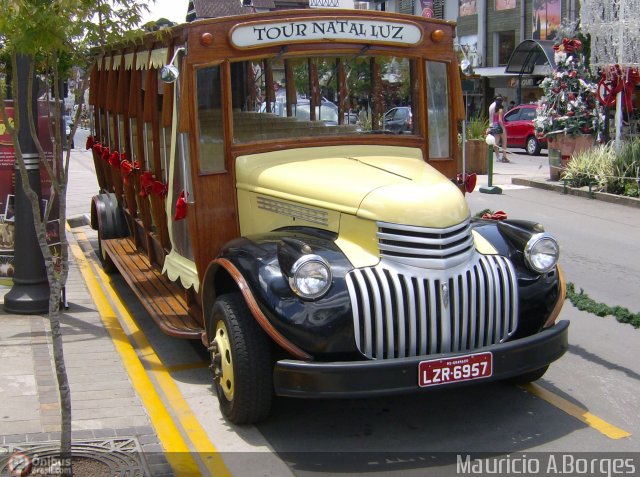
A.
pixel 181 207
pixel 569 105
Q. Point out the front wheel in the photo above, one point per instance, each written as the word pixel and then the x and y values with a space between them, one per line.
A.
pixel 241 361
pixel 533 146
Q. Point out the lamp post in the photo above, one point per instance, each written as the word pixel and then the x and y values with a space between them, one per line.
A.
pixel 490 189
pixel 30 292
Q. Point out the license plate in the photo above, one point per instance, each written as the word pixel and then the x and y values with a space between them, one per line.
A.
pixel 436 372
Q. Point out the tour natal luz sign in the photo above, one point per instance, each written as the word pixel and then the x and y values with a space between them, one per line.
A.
pixel 258 34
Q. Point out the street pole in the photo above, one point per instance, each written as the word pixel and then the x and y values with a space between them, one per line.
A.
pixel 30 292
pixel 490 189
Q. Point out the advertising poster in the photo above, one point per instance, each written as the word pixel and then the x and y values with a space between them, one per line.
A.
pixel 505 5
pixel 467 7
pixel 7 191
pixel 545 18
pixel 427 8
pixel 7 200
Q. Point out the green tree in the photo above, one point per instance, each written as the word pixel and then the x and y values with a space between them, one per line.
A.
pixel 54 35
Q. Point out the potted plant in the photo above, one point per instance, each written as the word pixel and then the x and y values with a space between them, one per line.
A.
pixel 475 146
pixel 568 113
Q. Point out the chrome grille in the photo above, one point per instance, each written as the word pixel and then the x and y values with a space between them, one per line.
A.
pixel 401 311
pixel 424 246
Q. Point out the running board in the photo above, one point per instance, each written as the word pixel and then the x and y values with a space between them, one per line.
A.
pixel 162 298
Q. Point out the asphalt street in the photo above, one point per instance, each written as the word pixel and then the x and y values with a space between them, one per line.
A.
pixel 579 406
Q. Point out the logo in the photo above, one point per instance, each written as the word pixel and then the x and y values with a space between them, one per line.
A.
pixel 444 295
pixel 19 464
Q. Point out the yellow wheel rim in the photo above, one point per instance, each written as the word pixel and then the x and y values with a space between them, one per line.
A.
pixel 224 361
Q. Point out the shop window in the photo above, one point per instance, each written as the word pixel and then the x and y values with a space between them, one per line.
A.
pixel 505 43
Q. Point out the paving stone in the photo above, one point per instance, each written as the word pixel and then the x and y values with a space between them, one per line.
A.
pixel 15 438
pixel 21 427
pixel 104 433
pixel 147 439
pixel 82 434
pixel 38 437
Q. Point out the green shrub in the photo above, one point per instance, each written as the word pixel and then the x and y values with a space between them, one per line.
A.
pixel 477 127
pixel 626 169
pixel 595 165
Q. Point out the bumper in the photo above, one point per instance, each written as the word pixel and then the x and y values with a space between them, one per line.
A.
pixel 396 376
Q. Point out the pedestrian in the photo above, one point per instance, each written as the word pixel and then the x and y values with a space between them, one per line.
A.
pixel 496 116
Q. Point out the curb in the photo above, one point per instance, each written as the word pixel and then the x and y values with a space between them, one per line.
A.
pixel 545 184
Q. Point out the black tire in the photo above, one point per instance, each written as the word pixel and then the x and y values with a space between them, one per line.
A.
pixel 105 260
pixel 240 354
pixel 533 146
pixel 529 377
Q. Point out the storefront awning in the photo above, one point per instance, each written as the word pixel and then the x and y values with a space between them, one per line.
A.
pixel 529 54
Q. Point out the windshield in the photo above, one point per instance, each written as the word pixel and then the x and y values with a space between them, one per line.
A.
pixel 277 98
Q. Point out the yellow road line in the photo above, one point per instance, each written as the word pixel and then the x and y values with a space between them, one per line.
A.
pixel 178 453
pixel 197 435
pixel 583 415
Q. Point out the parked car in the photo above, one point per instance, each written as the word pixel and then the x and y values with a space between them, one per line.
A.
pixel 68 126
pixel 520 129
pixel 398 120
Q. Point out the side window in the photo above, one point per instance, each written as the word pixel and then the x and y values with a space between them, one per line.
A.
pixel 211 140
pixel 528 114
pixel 512 116
pixel 438 110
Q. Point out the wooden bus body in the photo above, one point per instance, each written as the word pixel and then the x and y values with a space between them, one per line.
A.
pixel 279 186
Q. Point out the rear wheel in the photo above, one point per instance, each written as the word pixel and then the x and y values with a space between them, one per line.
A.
pixel 241 361
pixel 529 377
pixel 533 146
pixel 105 260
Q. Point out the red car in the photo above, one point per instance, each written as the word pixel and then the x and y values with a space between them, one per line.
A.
pixel 520 129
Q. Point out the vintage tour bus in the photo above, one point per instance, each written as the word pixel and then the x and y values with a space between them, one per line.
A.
pixel 279 186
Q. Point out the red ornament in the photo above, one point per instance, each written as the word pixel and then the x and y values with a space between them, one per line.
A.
pixel 570 114
pixel 181 207
pixel 572 97
pixel 563 85
pixel 497 215
pixel 572 74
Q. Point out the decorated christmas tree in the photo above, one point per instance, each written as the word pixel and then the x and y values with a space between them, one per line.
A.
pixel 569 104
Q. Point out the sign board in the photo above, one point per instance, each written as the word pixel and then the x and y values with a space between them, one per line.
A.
pixel 331 4
pixel 7 192
pixel 356 30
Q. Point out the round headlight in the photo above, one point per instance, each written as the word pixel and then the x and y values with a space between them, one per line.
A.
pixel 310 277
pixel 542 252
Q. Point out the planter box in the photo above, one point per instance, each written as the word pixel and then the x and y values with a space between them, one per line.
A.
pixel 476 156
pixel 561 148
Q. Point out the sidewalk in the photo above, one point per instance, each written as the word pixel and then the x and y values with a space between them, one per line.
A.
pixel 533 171
pixel 108 416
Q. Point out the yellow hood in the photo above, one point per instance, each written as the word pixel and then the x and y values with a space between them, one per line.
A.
pixel 390 184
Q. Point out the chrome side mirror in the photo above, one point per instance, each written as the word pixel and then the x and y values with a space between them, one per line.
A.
pixel 169 73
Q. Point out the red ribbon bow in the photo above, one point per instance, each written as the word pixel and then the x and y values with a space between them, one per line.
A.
pixel 181 207
pixel 114 159
pixel 127 167
pixel 497 215
pixel 160 189
pixel 146 181
pixel 90 142
pixel 106 153
pixel 97 147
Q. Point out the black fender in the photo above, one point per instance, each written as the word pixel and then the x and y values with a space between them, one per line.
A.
pixel 108 217
pixel 322 328
pixel 538 293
